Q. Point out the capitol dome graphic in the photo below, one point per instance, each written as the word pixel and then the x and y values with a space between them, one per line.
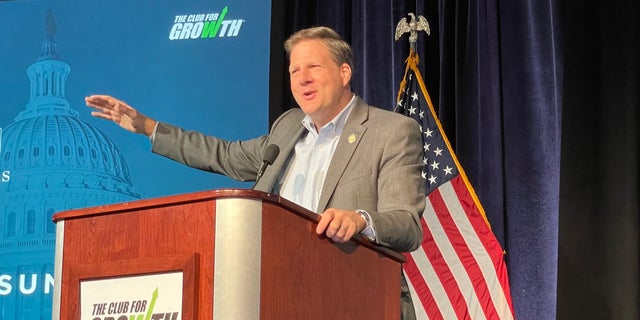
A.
pixel 50 161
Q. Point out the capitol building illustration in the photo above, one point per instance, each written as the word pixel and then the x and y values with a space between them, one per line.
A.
pixel 50 161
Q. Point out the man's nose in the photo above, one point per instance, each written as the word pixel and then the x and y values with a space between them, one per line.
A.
pixel 304 76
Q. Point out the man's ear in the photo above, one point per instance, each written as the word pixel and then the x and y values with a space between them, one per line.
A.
pixel 345 73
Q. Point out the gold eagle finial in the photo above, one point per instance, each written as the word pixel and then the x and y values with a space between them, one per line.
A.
pixel 412 27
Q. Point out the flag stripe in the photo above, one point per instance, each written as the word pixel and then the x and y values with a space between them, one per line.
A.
pixel 447 239
pixel 442 308
pixel 434 278
pixel 484 247
pixel 438 306
pixel 466 245
pixel 421 313
pixel 427 306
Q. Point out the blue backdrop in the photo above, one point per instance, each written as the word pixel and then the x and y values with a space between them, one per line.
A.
pixel 202 65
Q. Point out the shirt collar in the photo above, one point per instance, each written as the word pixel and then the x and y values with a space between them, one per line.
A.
pixel 336 124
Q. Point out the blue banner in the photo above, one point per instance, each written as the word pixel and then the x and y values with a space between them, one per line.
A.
pixel 201 65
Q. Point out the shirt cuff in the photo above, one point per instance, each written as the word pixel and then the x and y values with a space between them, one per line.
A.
pixel 153 135
pixel 369 230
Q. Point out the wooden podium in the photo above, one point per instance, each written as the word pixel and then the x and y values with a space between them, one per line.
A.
pixel 242 254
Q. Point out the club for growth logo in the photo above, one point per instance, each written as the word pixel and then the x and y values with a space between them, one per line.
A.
pixel 204 26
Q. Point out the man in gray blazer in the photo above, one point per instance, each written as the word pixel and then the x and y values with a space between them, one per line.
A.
pixel 356 165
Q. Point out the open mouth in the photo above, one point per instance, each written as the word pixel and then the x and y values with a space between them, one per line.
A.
pixel 309 95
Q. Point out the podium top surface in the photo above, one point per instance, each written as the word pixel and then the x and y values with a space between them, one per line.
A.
pixel 212 195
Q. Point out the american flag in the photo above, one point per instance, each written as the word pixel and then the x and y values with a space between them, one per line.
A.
pixel 459 271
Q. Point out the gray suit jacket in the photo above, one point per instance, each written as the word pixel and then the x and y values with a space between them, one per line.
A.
pixel 376 167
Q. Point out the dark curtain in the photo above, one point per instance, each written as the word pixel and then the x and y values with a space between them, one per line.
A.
pixel 494 70
pixel 500 101
pixel 599 217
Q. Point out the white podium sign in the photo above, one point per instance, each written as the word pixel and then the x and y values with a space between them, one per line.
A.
pixel 132 297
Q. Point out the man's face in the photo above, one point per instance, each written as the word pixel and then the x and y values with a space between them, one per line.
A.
pixel 319 85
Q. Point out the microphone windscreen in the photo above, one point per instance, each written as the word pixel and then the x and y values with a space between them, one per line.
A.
pixel 271 153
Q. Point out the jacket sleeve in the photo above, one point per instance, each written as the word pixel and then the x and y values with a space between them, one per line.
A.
pixel 401 199
pixel 239 160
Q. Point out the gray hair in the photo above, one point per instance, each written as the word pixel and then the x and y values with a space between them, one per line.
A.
pixel 340 50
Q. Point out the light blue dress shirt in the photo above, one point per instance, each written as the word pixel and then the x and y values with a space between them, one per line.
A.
pixel 303 179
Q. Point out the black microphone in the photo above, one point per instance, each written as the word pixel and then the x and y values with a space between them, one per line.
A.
pixel 270 155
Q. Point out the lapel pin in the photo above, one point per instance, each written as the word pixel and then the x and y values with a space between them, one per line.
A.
pixel 352 138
